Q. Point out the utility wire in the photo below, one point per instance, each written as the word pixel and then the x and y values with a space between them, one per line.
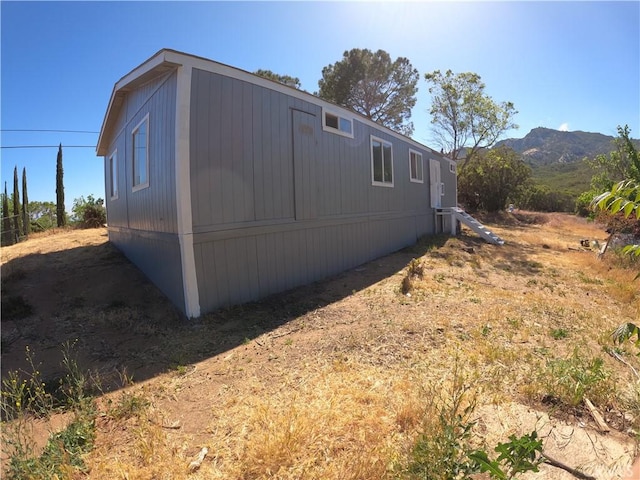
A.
pixel 56 131
pixel 48 146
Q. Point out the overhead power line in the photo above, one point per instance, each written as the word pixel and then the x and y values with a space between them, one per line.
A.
pixel 55 131
pixel 48 146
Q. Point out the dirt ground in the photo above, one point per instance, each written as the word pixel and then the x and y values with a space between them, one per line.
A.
pixel 83 292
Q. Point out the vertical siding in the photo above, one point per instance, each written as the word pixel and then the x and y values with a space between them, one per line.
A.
pixel 450 180
pixel 152 208
pixel 241 159
pixel 240 269
pixel 117 208
pixel 143 224
pixel 279 202
pixel 157 255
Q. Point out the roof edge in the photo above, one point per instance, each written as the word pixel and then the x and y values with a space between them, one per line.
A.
pixel 154 66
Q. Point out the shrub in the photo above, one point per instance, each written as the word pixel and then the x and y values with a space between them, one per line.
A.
pixel 89 213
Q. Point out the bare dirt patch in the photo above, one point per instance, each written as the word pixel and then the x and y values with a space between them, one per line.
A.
pixel 328 380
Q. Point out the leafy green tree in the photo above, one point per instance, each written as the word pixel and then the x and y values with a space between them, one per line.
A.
pixel 26 224
pixel 623 163
pixel 623 198
pixel 373 85
pixel 7 237
pixel 60 213
pixel 284 79
pixel 89 213
pixel 16 204
pixel 495 176
pixel 42 215
pixel 465 119
pixel 541 198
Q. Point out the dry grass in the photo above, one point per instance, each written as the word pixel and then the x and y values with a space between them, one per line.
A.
pixel 342 391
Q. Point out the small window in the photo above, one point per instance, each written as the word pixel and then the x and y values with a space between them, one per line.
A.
pixel 334 123
pixel 415 166
pixel 452 167
pixel 381 162
pixel 140 143
pixel 113 175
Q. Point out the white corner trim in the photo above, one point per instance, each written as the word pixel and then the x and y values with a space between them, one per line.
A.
pixel 183 193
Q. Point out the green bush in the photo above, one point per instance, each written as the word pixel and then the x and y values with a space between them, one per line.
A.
pixel 583 204
pixel 89 213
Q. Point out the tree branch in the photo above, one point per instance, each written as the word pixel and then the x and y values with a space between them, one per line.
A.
pixel 576 473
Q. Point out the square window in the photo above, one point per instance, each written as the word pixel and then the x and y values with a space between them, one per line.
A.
pixel 331 121
pixel 335 123
pixel 345 125
pixel 415 167
pixel 381 162
pixel 140 142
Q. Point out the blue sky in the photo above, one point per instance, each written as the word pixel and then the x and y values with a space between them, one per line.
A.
pixel 565 65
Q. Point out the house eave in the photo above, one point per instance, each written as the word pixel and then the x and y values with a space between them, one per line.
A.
pixel 161 63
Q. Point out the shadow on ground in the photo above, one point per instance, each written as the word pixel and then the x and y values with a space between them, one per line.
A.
pixel 120 326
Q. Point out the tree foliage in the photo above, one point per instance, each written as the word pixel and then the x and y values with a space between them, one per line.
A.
pixel 15 198
pixel 89 212
pixel 42 215
pixel 493 178
pixel 623 198
pixel 623 163
pixel 541 198
pixel 465 119
pixel 284 79
pixel 60 213
pixel 7 237
pixel 26 224
pixel 373 85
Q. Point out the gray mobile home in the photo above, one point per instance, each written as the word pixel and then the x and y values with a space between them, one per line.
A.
pixel 224 187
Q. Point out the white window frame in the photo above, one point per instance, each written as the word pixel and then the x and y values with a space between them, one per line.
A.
pixel 411 177
pixel 113 174
pixel 373 180
pixel 339 117
pixel 452 167
pixel 140 186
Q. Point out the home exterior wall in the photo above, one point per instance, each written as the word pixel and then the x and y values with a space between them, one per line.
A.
pixel 278 202
pixel 248 194
pixel 143 223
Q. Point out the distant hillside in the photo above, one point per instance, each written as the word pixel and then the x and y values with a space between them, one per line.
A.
pixel 545 146
pixel 569 178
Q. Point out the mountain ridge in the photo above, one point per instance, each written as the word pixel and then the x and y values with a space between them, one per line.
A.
pixel 545 146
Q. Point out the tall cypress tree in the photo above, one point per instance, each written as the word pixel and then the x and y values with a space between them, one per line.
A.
pixel 16 204
pixel 62 218
pixel 26 223
pixel 7 239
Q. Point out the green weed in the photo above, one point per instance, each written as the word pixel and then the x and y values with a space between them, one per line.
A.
pixel 22 398
pixel 559 333
pixel 569 380
pixel 442 451
pixel 129 405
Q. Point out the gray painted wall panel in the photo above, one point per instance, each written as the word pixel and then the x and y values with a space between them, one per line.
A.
pixel 145 249
pixel 154 208
pixel 288 203
pixel 117 208
pixel 250 267
pixel 276 200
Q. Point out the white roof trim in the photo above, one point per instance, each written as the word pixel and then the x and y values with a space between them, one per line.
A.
pixel 166 59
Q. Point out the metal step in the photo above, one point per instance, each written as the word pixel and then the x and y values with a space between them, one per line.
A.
pixel 476 226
